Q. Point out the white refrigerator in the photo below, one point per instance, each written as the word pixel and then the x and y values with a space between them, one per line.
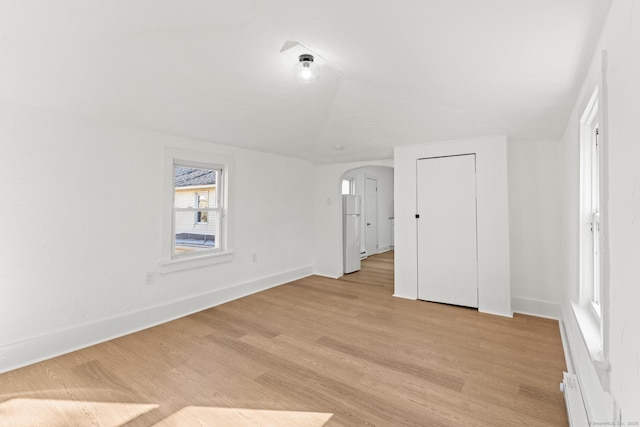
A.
pixel 351 232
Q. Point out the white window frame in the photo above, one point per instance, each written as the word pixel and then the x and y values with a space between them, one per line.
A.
pixel 170 261
pixel 588 308
pixel 351 183
pixel 590 212
pixel 595 296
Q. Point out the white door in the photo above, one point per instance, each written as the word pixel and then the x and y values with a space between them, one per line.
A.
pixel 447 239
pixel 371 215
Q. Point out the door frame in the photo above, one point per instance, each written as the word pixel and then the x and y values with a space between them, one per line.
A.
pixel 475 209
pixel 366 212
pixel 493 218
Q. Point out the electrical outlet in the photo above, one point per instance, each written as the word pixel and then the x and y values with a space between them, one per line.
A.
pixel 149 278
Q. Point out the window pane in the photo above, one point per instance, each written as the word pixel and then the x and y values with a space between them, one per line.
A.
pixel 193 235
pixel 202 201
pixel 346 186
pixel 195 187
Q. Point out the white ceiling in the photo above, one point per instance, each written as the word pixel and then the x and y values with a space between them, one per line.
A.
pixel 391 72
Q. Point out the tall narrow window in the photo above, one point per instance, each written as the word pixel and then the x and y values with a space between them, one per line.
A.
pixel 595 222
pixel 591 307
pixel 197 209
pixel 197 226
pixel 591 212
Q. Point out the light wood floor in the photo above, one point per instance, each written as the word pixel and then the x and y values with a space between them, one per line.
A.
pixel 309 353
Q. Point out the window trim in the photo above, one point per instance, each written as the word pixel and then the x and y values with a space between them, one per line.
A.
pixel 197 159
pixel 590 310
pixel 590 211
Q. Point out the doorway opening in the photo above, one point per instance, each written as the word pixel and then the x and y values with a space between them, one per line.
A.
pixel 376 270
pixel 372 186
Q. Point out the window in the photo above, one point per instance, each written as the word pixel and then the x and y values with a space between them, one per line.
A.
pixel 348 186
pixel 195 219
pixel 591 212
pixel 595 228
pixel 590 312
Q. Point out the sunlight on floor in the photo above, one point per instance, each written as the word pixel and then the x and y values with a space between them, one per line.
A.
pixel 203 416
pixel 59 413
pixel 66 413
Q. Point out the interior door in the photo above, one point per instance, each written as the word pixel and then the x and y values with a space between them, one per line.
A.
pixel 447 239
pixel 371 215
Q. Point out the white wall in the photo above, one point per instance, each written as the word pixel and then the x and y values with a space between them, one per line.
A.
pixel 492 216
pixel 534 198
pixel 384 179
pixel 621 40
pixel 328 215
pixel 81 225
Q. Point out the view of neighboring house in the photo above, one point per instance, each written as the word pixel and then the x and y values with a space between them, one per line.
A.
pixel 195 229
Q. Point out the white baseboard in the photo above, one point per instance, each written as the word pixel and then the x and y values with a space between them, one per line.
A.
pixel 568 355
pixel 36 349
pixel 549 310
pixel 328 275
pixel 599 402
pixel 410 297
pixel 383 249
pixel 495 313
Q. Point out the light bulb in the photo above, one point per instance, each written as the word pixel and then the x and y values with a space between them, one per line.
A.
pixel 306 73
pixel 303 71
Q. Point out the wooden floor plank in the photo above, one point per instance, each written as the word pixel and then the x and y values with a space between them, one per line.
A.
pixel 313 352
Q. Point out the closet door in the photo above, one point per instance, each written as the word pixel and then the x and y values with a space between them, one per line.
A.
pixel 447 238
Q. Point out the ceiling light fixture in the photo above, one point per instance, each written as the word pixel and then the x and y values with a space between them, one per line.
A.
pixel 303 70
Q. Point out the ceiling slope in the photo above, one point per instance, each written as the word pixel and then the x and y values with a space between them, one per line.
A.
pixel 390 73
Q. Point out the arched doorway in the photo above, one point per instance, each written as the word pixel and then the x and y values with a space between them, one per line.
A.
pixel 374 187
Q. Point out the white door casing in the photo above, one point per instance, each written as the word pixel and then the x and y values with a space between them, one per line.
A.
pixel 371 215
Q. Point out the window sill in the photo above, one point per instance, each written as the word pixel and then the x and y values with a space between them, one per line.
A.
pixel 180 264
pixel 589 326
